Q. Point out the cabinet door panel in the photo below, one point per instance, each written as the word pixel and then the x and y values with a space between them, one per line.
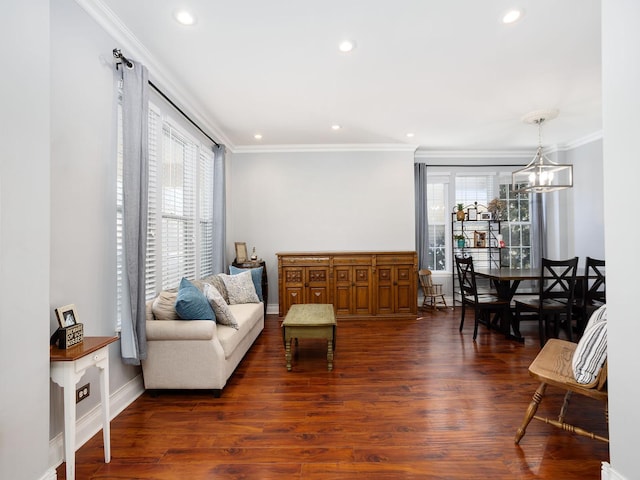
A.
pixel 385 290
pixel 362 291
pixel 342 296
pixel 404 285
pixel 293 296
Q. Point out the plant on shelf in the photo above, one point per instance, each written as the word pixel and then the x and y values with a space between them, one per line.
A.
pixel 460 213
pixel 460 239
pixel 496 207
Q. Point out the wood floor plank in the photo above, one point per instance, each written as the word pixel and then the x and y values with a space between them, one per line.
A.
pixel 406 399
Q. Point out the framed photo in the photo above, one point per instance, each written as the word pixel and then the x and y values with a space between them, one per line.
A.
pixel 479 239
pixel 67 316
pixel 241 252
pixel 485 215
pixel 472 213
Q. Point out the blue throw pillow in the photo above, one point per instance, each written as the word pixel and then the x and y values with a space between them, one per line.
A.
pixel 256 277
pixel 191 304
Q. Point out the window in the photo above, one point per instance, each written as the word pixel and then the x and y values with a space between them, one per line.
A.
pixel 437 224
pixel 469 186
pixel 180 216
pixel 516 229
pixel 180 228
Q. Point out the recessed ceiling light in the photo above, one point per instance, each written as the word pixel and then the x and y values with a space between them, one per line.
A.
pixel 184 17
pixel 512 16
pixel 346 46
pixel 335 127
pixel 257 136
pixel 411 134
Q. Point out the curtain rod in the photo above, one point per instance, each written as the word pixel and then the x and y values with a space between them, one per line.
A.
pixel 118 54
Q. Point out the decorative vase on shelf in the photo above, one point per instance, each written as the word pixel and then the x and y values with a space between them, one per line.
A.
pixel 460 242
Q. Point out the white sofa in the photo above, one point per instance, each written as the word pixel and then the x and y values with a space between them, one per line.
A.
pixel 195 354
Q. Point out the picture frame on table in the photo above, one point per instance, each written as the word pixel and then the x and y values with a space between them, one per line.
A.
pixel 485 215
pixel 241 252
pixel 472 213
pixel 67 316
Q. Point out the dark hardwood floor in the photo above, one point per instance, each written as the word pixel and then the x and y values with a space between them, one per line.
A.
pixel 406 400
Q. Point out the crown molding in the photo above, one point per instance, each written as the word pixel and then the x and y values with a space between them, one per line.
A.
pixel 132 48
pixel 593 137
pixel 302 148
pixel 423 153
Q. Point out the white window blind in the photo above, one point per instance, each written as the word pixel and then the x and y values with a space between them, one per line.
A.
pixel 205 216
pixel 151 279
pixel 178 208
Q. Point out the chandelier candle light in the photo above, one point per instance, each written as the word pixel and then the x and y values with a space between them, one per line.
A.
pixel 541 174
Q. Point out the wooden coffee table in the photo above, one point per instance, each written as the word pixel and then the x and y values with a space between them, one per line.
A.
pixel 310 321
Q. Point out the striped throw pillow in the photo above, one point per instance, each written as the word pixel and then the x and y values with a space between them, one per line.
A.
pixel 591 351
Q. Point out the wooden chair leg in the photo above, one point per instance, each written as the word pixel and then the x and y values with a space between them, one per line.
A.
pixel 565 406
pixel 462 317
pixel 531 411
pixel 475 325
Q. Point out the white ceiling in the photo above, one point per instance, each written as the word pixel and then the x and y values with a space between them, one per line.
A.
pixel 447 70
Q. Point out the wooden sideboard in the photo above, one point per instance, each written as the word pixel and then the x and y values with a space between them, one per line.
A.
pixel 358 284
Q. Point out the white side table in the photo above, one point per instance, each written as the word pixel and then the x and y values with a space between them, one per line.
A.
pixel 67 368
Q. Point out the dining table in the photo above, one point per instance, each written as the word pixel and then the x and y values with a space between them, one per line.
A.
pixel 506 281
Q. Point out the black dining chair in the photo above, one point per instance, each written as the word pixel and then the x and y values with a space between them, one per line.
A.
pixel 483 304
pixel 592 292
pixel 554 302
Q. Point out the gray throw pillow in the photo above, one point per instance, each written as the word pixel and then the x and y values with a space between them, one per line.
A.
pixel 240 288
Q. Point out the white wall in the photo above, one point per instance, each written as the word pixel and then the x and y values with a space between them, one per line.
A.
pixel 588 205
pixel 621 104
pixel 319 201
pixel 24 241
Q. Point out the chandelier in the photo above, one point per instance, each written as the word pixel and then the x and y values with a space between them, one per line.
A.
pixel 541 174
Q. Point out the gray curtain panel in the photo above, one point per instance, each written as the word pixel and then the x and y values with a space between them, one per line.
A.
pixel 135 116
pixel 538 229
pixel 219 210
pixel 422 222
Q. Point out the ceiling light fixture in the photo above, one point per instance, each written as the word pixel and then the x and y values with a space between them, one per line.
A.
pixel 335 127
pixel 257 136
pixel 541 174
pixel 184 17
pixel 512 16
pixel 346 46
pixel 411 134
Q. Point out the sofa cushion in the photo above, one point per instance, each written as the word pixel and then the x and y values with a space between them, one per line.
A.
pixel 164 306
pixel 256 277
pixel 216 281
pixel 220 307
pixel 247 315
pixel 191 304
pixel 240 288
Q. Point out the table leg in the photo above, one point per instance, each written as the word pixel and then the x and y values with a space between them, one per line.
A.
pixel 104 398
pixel 287 353
pixel 69 394
pixel 506 290
pixel 329 355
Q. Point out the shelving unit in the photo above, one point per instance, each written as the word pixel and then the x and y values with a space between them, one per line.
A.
pixel 481 241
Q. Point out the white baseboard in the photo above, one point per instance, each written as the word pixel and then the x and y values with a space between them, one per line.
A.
pixel 608 473
pixel 50 474
pixel 91 423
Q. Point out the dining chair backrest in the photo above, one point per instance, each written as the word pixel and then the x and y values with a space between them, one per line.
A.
pixel 558 279
pixel 467 278
pixel 595 286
